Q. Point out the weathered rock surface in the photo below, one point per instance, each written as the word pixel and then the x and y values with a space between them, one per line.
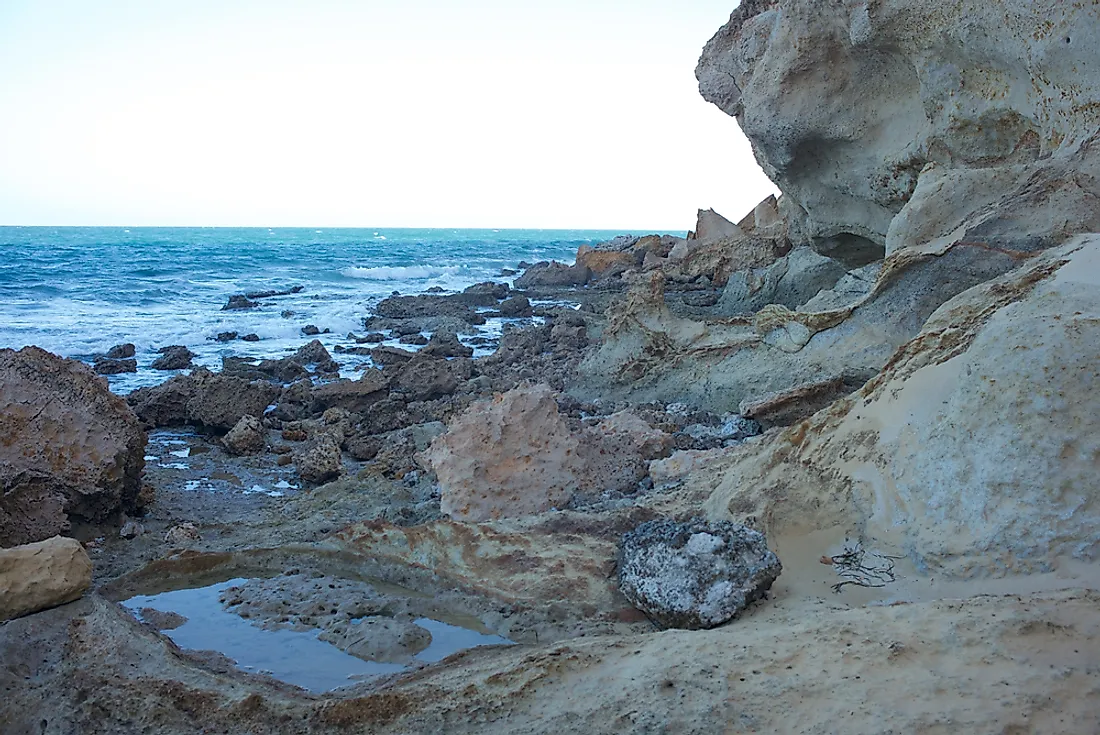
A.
pixel 790 281
pixel 108 366
pixel 70 449
pixel 712 227
pixel 42 575
pixel 696 574
pixel 553 274
pixel 203 398
pixel 319 461
pixel 246 436
pixel 174 357
pixel 974 451
pixel 121 352
pixel 511 456
pixel 969 120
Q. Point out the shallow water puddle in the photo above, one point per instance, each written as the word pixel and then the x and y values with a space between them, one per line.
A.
pixel 296 657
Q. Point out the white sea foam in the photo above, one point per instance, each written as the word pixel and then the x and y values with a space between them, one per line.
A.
pixel 402 272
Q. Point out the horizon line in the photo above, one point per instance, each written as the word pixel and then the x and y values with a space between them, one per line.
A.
pixel 624 231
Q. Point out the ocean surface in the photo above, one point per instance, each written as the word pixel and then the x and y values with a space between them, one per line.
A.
pixel 76 291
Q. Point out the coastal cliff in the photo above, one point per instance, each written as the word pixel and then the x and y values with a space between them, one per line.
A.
pixel 885 379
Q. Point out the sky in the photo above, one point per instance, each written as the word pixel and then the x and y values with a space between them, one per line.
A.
pixel 403 113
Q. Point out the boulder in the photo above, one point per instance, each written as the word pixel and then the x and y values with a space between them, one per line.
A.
pixel 219 401
pixel 432 306
pixel 446 344
pixel 319 461
pixel 239 301
pixel 413 339
pixel 164 404
pixel 246 437
pixel 71 450
pixel 356 396
pixel 226 336
pixel 42 575
pixel 604 263
pixel 553 274
pixel 511 456
pixel 425 378
pixel 121 352
pixel 696 574
pixel 518 306
pixel 108 366
pixel 711 227
pixel 870 118
pixel 174 357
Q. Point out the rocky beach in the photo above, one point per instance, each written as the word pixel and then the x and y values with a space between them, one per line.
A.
pixel 829 465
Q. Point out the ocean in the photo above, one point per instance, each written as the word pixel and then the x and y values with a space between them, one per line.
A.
pixel 76 291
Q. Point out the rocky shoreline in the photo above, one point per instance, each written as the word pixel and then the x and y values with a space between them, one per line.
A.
pixel 779 475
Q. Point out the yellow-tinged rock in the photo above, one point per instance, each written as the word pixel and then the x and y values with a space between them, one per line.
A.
pixel 42 575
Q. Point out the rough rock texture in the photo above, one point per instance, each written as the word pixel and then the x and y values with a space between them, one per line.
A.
pixel 246 436
pixel 511 456
pixel 553 274
pixel 973 453
pixel 109 366
pixel 320 460
pixel 696 574
pixel 41 575
pixel 790 281
pixel 69 448
pixel 968 119
pixel 356 396
pixel 121 352
pixel 175 357
pixel 787 407
pixel 203 398
pixel 989 666
pixel 712 227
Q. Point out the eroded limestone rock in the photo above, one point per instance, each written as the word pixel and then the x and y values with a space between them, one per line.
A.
pixel 42 575
pixel 246 436
pixel 71 449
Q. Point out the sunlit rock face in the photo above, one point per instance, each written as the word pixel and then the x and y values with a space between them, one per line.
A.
pixel 889 123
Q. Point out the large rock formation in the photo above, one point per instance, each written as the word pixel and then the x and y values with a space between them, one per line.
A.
pixel 972 120
pixel 70 450
pixel 974 452
pixel 516 455
pixel 41 575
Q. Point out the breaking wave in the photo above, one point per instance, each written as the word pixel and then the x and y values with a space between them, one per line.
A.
pixel 402 272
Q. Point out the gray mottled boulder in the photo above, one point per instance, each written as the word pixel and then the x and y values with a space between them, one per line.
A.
pixel 696 574
pixel 552 274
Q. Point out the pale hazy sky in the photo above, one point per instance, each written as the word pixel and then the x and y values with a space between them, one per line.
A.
pixel 485 113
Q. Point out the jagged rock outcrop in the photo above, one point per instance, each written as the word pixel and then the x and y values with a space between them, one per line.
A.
pixel 516 455
pixel 42 575
pixel 894 123
pixel 973 452
pixel 203 398
pixel 70 450
pixel 511 456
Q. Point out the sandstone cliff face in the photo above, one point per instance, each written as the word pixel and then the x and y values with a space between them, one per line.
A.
pixel 69 448
pixel 971 119
pixel 974 452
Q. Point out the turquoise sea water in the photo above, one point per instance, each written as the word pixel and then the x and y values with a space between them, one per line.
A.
pixel 77 291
